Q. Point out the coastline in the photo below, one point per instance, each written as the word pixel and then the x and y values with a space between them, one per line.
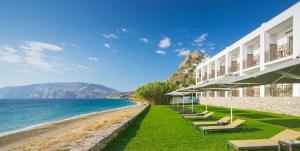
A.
pixel 83 128
pixel 2 134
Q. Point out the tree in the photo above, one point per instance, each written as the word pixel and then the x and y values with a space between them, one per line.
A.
pixel 154 92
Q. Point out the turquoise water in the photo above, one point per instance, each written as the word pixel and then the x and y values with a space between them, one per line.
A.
pixel 17 114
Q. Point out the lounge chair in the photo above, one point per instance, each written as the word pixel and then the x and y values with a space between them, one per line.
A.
pixel 195 114
pixel 206 116
pixel 222 121
pixel 264 143
pixel 231 126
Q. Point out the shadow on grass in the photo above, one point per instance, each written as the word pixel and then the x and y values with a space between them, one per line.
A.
pixel 291 123
pixel 257 116
pixel 120 142
pixel 239 130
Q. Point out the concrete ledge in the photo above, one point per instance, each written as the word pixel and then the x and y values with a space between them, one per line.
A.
pixel 117 130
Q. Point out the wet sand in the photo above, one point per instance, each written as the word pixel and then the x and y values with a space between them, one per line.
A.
pixel 76 134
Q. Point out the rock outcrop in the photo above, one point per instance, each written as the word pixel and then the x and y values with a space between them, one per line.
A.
pixel 185 74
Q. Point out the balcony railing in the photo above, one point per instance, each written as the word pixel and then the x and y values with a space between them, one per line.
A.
pixel 251 92
pixel 234 67
pixel 220 93
pixel 211 94
pixel 221 72
pixel 233 93
pixel 199 79
pixel 212 74
pixel 277 52
pixel 279 90
pixel 205 77
pixel 251 61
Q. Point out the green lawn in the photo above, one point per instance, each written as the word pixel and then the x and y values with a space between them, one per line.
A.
pixel 161 128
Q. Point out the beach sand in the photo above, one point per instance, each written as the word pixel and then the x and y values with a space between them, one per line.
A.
pixel 76 134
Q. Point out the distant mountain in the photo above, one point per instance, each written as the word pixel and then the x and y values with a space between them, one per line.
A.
pixel 57 90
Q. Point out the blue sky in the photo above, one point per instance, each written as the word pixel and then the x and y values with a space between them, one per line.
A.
pixel 117 43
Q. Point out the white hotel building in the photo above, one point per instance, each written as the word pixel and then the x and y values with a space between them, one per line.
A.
pixel 273 43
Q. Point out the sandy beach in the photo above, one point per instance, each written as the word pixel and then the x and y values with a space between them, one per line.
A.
pixel 76 134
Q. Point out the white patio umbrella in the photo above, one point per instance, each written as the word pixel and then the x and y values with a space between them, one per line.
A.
pixel 224 84
pixel 191 91
pixel 176 93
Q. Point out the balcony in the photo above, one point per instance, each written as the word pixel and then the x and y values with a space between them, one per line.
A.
pixel 220 93
pixel 251 92
pixel 211 94
pixel 221 72
pixel 212 74
pixel 277 90
pixel 251 61
pixel 234 67
pixel 277 52
pixel 199 79
pixel 234 93
pixel 205 77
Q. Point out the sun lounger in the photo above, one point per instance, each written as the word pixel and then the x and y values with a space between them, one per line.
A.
pixel 231 126
pixel 222 121
pixel 206 116
pixel 264 143
pixel 195 114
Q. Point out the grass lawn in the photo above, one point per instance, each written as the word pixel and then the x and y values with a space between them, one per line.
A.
pixel 161 128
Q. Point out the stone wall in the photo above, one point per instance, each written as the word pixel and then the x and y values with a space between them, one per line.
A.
pixel 281 105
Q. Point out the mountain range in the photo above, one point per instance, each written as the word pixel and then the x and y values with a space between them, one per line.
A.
pixel 57 90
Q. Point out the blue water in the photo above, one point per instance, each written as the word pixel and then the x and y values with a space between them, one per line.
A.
pixel 17 114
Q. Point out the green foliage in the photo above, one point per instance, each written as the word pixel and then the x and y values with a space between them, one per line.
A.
pixel 164 129
pixel 154 92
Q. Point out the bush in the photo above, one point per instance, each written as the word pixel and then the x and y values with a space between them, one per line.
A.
pixel 154 92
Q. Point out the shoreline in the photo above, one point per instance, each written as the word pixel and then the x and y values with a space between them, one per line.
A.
pixel 35 126
pixel 80 132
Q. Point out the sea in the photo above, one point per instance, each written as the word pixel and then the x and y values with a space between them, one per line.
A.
pixel 21 114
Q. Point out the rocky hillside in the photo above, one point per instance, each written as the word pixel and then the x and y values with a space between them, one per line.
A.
pixel 57 90
pixel 185 74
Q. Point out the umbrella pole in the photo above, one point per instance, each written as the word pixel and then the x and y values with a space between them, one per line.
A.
pixel 183 103
pixel 173 100
pixel 231 115
pixel 192 102
pixel 206 102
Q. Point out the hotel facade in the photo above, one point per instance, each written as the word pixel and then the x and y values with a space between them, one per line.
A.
pixel 273 43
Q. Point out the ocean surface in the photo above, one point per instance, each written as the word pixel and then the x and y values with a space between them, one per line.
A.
pixel 17 114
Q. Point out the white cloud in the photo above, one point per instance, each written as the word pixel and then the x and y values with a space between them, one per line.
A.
pixel 161 52
pixel 109 36
pixel 122 30
pixel 144 40
pixel 165 42
pixel 74 45
pixel 211 46
pixel 10 55
pixel 34 55
pixel 183 52
pixel 106 45
pixel 40 46
pixel 201 38
pixel 93 58
pixel 82 67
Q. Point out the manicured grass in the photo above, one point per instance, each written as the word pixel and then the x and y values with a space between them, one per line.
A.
pixel 161 128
